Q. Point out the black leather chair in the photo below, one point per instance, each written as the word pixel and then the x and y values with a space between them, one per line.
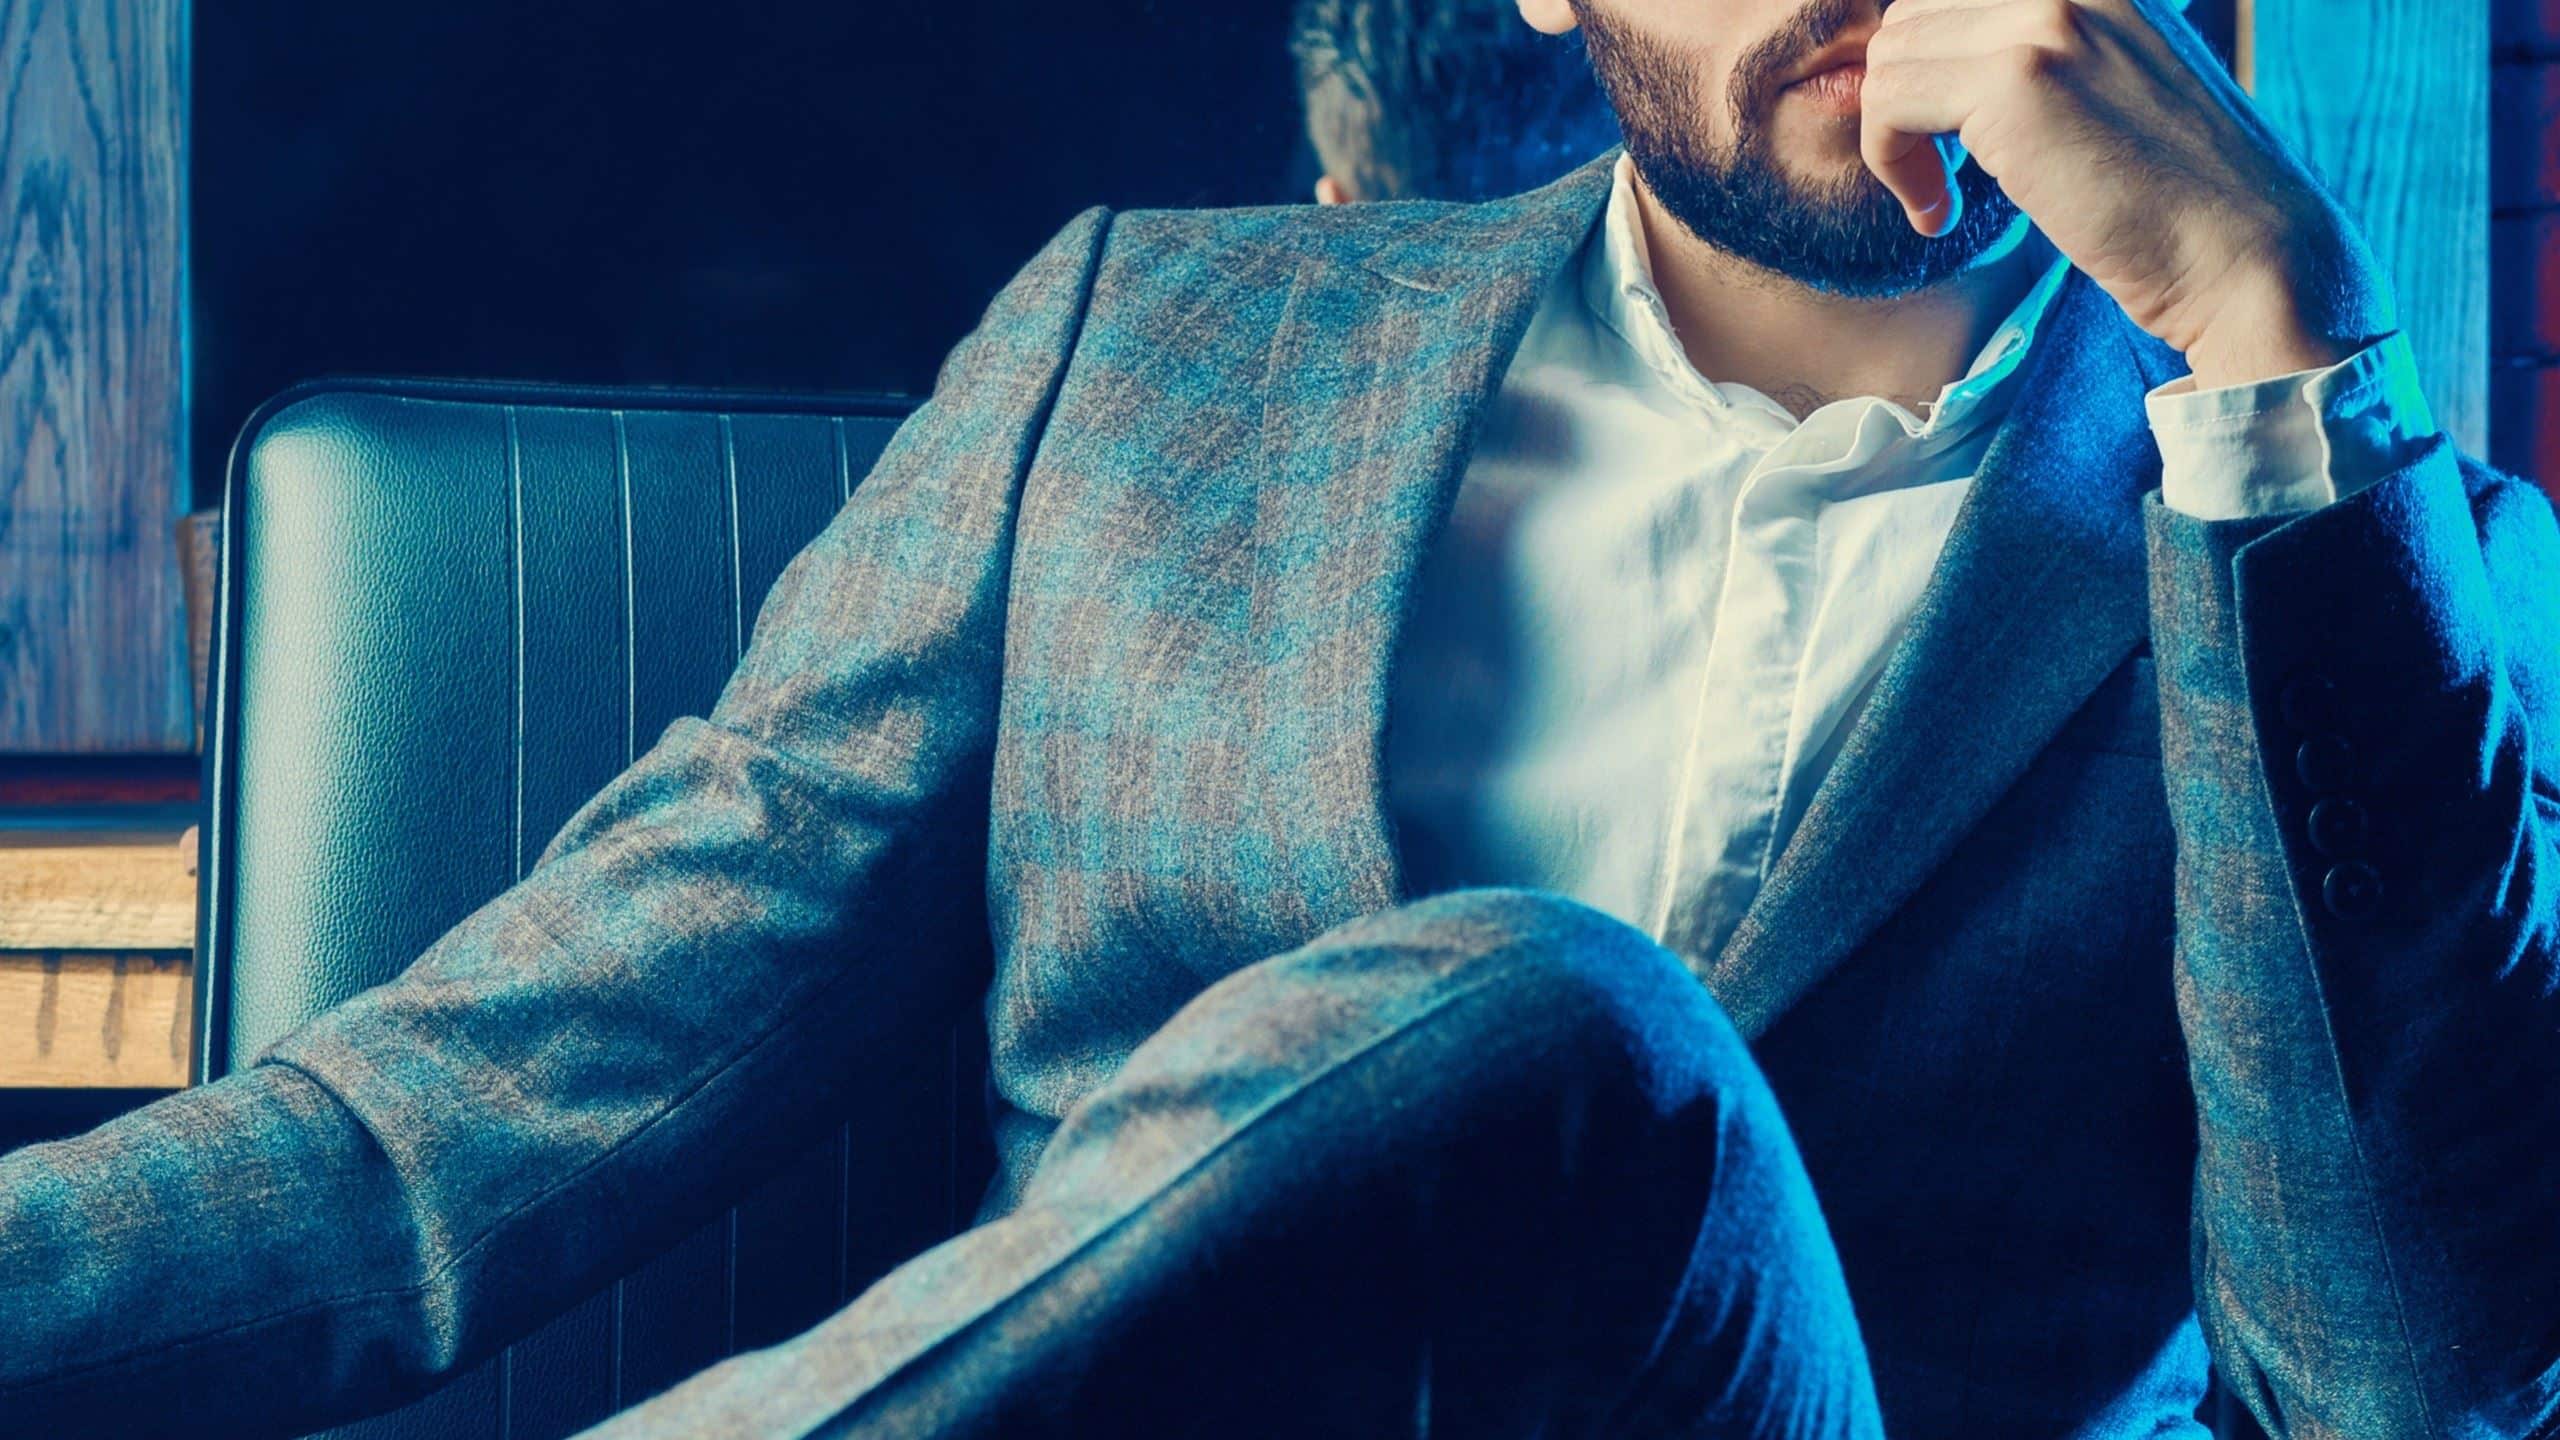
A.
pixel 448 614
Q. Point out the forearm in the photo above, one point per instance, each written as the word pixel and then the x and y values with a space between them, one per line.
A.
pixel 2374 1077
pixel 714 956
pixel 697 980
pixel 123 1289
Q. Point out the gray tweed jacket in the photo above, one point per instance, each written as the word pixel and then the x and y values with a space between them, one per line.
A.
pixel 2110 1041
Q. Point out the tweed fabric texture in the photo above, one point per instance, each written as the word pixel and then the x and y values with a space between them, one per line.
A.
pixel 2094 1081
pixel 2376 1095
pixel 673 1002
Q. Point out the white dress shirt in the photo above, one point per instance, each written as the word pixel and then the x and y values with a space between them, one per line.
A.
pixel 1660 600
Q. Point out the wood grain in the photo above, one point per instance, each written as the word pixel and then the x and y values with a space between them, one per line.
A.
pixel 92 366
pixel 2389 99
pixel 94 1022
pixel 94 892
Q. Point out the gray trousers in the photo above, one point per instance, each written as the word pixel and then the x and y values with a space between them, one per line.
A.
pixel 1490 1164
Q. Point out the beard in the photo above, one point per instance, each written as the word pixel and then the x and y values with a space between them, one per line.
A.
pixel 1845 237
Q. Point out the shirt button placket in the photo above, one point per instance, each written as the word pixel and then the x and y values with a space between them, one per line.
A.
pixel 1746 711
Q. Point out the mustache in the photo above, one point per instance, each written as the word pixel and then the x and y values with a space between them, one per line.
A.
pixel 1760 72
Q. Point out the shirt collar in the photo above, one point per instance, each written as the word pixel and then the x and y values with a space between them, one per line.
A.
pixel 1618 288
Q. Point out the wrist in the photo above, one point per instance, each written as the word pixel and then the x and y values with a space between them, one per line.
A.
pixel 2314 301
pixel 2260 336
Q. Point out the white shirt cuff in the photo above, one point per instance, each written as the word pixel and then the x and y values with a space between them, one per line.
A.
pixel 2296 442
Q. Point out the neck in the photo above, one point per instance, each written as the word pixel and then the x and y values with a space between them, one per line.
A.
pixel 1804 347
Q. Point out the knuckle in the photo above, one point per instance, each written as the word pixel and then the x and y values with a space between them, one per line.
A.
pixel 2029 66
pixel 2054 25
pixel 2060 31
pixel 1894 41
pixel 1984 137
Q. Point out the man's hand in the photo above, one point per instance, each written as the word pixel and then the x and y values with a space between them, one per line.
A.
pixel 2121 137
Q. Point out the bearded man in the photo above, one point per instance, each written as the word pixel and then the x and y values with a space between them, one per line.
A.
pixel 1867 770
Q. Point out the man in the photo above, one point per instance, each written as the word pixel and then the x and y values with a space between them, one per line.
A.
pixel 1440 100
pixel 2105 800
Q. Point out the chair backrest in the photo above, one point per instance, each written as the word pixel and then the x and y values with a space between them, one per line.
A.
pixel 450 613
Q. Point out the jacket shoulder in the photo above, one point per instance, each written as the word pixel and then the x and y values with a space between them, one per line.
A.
pixel 1435 244
pixel 2520 553
pixel 2519 538
pixel 1256 237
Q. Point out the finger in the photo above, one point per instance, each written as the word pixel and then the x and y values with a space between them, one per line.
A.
pixel 2155 30
pixel 2167 49
pixel 1911 120
pixel 1981 30
pixel 1903 12
pixel 1920 169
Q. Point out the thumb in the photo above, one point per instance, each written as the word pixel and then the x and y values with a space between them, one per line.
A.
pixel 1920 170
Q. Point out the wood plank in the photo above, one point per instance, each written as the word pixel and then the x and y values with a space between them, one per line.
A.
pixel 93 237
pixel 95 1022
pixel 2389 99
pixel 111 892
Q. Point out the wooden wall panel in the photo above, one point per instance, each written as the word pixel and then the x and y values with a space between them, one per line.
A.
pixel 93 122
pixel 95 1021
pixel 64 890
pixel 2524 239
pixel 2390 101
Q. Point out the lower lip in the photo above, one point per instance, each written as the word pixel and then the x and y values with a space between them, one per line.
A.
pixel 1836 90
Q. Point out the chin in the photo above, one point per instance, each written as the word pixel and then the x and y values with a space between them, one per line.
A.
pixel 1824 170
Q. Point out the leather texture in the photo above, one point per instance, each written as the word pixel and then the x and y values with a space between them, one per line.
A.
pixel 450 614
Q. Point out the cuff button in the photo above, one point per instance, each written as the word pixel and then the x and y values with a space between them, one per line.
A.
pixel 2352 891
pixel 2339 827
pixel 2326 763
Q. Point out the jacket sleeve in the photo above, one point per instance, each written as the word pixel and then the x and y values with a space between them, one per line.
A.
pixel 683 990
pixel 2368 946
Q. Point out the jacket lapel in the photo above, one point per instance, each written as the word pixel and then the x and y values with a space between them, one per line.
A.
pixel 1380 369
pixel 2041 591
pixel 1379 372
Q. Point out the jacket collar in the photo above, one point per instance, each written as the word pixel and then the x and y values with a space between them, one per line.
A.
pixel 1379 372
pixel 1510 245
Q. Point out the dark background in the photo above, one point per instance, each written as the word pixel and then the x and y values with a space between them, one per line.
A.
pixel 772 194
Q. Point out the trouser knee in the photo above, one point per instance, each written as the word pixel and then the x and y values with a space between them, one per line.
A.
pixel 1497 1124
pixel 1530 1050
pixel 1640 1170
pixel 1470 1010
pixel 1598 999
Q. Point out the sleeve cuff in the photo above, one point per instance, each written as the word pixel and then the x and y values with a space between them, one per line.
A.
pixel 2293 443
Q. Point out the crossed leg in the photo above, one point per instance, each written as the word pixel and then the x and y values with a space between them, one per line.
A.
pixel 1490 1164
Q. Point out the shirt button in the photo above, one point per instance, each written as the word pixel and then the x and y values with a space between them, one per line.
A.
pixel 2352 890
pixel 2339 827
pixel 2326 763
pixel 2309 701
